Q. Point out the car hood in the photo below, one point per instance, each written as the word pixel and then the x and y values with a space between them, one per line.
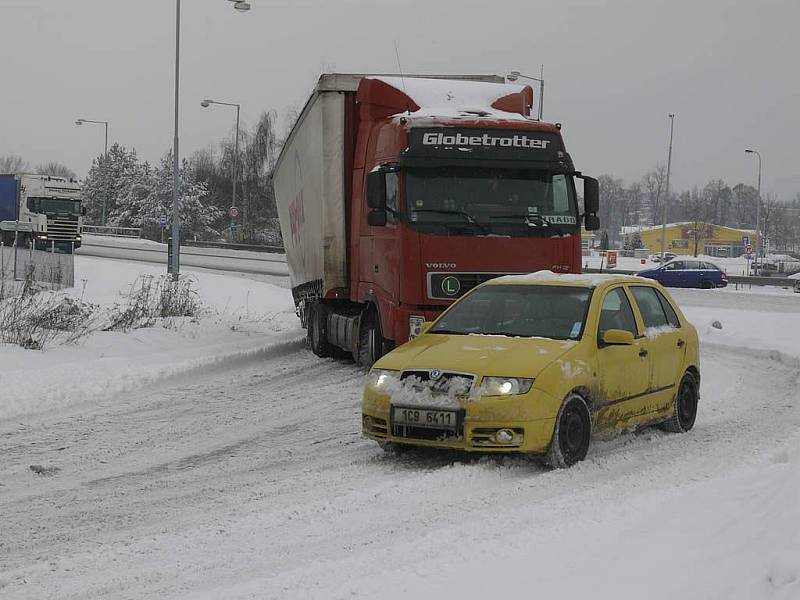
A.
pixel 480 354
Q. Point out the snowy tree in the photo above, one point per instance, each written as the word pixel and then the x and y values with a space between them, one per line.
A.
pixel 107 182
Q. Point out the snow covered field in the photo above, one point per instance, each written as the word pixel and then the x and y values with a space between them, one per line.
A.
pixel 243 474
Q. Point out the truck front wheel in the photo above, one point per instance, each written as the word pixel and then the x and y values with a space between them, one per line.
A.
pixel 370 339
pixel 317 330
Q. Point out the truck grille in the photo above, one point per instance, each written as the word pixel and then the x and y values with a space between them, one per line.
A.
pixel 62 229
pixel 450 286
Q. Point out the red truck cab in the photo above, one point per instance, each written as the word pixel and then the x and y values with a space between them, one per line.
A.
pixel 447 183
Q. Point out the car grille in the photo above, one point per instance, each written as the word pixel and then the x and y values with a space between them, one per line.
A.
pixel 439 382
pixel 427 433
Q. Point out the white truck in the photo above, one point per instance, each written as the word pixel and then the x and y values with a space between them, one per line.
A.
pixel 42 210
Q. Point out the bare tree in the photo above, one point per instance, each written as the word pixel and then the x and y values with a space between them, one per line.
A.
pixel 56 169
pixel 13 163
pixel 654 183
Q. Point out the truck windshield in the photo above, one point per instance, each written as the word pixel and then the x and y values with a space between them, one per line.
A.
pixel 60 206
pixel 486 201
pixel 549 311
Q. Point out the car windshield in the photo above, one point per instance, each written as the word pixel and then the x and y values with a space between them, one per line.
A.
pixel 484 201
pixel 55 205
pixel 557 312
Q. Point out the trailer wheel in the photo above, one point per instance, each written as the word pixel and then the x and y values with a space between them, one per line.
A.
pixel 370 339
pixel 317 330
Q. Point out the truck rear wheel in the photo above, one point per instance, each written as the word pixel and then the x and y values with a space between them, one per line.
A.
pixel 370 339
pixel 317 330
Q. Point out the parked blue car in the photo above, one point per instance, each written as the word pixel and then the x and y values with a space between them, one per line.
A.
pixel 687 273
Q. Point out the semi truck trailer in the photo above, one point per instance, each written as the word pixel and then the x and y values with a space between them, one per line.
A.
pixel 398 194
pixel 40 209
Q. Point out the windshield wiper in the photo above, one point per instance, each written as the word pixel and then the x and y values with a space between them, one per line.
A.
pixel 446 211
pixel 533 220
pixel 447 331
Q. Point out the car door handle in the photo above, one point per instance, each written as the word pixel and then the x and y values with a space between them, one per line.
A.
pixel 681 343
pixel 642 352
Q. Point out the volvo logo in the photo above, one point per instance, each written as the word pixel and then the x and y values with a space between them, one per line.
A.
pixel 441 265
pixel 435 374
pixel 451 286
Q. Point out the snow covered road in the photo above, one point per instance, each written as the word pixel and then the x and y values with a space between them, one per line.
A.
pixel 254 481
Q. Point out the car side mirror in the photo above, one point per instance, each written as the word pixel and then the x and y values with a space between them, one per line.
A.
pixel 376 218
pixel 617 337
pixel 376 190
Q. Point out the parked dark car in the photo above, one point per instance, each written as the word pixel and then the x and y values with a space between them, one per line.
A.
pixel 687 273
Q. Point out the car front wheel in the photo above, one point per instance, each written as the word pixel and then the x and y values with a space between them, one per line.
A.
pixel 572 434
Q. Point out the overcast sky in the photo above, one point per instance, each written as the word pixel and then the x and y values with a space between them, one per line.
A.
pixel 728 69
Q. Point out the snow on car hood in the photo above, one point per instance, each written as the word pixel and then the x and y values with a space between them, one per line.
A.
pixel 479 354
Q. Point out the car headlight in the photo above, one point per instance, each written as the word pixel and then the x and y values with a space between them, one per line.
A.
pixel 505 386
pixel 415 324
pixel 380 379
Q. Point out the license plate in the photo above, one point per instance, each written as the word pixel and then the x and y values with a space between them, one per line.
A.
pixel 424 417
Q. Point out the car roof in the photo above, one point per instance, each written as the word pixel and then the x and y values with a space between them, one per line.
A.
pixel 588 280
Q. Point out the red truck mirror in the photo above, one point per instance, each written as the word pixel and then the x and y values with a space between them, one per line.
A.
pixel 376 190
pixel 591 195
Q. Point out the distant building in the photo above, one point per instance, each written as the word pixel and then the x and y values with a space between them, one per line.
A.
pixel 712 240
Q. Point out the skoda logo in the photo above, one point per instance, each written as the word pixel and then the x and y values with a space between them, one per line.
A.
pixel 451 286
pixel 435 374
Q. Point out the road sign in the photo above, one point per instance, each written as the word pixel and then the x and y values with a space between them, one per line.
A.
pixel 233 228
pixel 748 249
pixel 162 220
pixel 233 212
pixel 745 240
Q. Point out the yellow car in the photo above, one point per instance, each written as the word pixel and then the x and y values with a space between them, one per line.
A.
pixel 536 364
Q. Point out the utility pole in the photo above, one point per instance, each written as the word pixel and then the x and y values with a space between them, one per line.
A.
pixel 758 210
pixel 176 231
pixel 666 192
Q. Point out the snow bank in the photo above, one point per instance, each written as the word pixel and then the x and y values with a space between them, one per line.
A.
pixel 245 319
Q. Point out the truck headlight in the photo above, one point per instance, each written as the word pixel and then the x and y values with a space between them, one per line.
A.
pixel 415 324
pixel 379 379
pixel 505 386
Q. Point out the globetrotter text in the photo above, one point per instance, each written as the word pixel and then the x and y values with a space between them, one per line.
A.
pixel 516 141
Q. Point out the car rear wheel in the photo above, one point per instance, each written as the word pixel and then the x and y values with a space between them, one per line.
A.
pixel 572 434
pixel 706 284
pixel 685 406
pixel 317 334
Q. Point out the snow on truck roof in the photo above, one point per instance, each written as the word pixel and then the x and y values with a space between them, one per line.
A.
pixel 455 98
pixel 573 279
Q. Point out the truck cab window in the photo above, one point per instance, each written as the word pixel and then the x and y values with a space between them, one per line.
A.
pixel 392 197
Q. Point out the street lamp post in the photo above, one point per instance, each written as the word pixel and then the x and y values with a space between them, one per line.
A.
pixel 176 262
pixel 205 104
pixel 105 156
pixel 758 208
pixel 666 191
pixel 514 75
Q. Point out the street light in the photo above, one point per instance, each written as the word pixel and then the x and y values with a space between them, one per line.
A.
pixel 176 261
pixel 205 104
pixel 105 156
pixel 666 191
pixel 514 75
pixel 758 208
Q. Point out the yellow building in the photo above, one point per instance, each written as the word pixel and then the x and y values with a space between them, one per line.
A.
pixel 711 240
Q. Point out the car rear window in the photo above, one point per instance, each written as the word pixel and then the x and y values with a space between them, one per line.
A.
pixel 649 305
